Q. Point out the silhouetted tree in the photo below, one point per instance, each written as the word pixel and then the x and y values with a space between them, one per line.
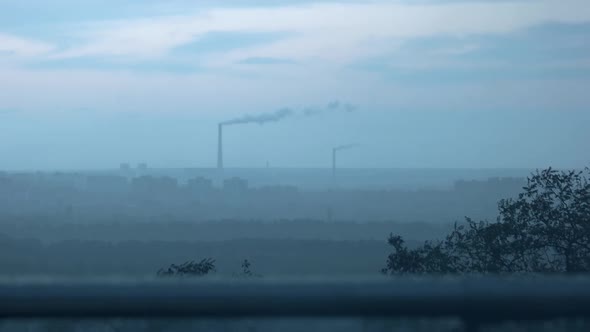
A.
pixel 246 271
pixel 546 229
pixel 190 268
pixel 246 268
pixel 432 257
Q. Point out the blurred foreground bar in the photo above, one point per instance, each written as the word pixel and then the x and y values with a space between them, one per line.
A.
pixel 476 299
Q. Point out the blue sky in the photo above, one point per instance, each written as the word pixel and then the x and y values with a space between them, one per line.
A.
pixel 436 83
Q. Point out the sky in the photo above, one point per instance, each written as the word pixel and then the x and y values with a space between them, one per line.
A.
pixel 426 84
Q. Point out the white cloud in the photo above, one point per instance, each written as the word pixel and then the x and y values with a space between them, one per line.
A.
pixel 21 47
pixel 332 32
pixel 320 36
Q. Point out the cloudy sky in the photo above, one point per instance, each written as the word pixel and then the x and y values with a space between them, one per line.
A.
pixel 418 83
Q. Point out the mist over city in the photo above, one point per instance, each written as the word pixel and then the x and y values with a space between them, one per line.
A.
pixel 218 145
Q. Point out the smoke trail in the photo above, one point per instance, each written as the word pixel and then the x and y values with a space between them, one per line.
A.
pixel 333 106
pixel 336 105
pixel 349 108
pixel 261 118
pixel 346 146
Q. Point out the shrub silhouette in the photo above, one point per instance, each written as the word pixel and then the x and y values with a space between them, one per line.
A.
pixel 189 268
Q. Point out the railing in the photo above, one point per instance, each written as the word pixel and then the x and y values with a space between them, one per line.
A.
pixel 476 301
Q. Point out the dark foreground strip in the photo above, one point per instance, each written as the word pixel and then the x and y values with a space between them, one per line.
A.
pixel 482 300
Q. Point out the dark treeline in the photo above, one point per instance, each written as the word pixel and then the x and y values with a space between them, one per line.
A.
pixel 75 224
pixel 544 228
pixel 83 198
pixel 140 229
pixel 279 257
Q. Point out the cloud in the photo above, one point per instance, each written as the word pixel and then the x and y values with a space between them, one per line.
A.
pixel 225 41
pixel 423 56
pixel 21 47
pixel 550 50
pixel 336 32
pixel 265 61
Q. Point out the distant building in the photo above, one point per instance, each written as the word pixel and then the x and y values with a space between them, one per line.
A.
pixel 235 184
pixel 5 182
pixel 199 185
pixel 63 180
pixel 142 166
pixel 278 190
pixel 154 185
pixel 106 183
pixel 124 167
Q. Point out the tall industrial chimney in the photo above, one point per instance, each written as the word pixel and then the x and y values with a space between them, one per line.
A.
pixel 220 147
pixel 334 161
